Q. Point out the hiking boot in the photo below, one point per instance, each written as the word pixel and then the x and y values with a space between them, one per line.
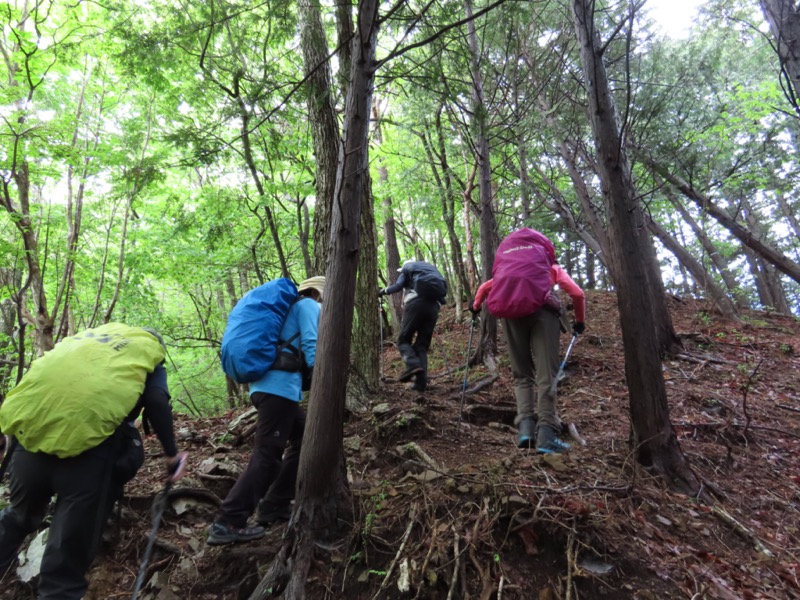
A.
pixel 548 442
pixel 268 513
pixel 222 533
pixel 421 382
pixel 527 432
pixel 409 373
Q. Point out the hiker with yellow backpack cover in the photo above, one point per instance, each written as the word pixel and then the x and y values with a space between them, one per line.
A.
pixel 72 420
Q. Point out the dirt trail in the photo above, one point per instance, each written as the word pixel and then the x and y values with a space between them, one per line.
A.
pixel 445 505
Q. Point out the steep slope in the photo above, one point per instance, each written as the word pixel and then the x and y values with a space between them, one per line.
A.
pixel 450 508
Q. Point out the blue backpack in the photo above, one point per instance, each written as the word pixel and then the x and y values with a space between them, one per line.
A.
pixel 251 341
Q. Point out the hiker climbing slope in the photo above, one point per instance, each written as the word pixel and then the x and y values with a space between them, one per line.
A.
pixel 267 483
pixel 73 419
pixel 521 293
pixel 424 294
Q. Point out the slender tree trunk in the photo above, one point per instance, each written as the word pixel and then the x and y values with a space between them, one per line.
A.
pixel 449 198
pixel 389 232
pixel 790 214
pixel 366 335
pixel 776 292
pixel 322 502
pixel 720 263
pixel 655 444
pixel 698 272
pixel 783 17
pixel 486 349
pixel 782 262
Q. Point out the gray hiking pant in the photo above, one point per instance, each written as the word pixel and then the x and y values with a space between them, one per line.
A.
pixel 533 345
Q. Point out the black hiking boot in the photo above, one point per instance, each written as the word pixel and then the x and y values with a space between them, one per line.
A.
pixel 268 513
pixel 409 373
pixel 222 533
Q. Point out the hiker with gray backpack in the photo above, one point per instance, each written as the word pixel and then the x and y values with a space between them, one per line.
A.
pixel 424 291
pixel 521 292
pixel 270 342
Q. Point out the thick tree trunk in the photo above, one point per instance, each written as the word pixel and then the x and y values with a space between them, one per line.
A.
pixel 322 503
pixel 655 444
pixel 324 125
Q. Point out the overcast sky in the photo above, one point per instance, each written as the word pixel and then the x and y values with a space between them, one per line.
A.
pixel 674 17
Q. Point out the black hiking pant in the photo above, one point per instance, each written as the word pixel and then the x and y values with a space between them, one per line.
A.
pixel 81 487
pixel 269 474
pixel 416 331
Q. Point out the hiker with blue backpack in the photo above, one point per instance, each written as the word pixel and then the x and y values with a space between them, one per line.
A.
pixel 72 419
pixel 270 342
pixel 521 292
pixel 424 291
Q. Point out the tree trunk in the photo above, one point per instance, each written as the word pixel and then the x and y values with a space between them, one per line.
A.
pixel 782 262
pixel 322 503
pixel 324 125
pixel 655 444
pixel 718 261
pixel 449 196
pixel 698 272
pixel 784 22
pixel 776 292
pixel 389 232
pixel 366 336
pixel 486 349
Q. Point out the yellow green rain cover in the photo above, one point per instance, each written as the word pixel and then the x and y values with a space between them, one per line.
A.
pixel 76 395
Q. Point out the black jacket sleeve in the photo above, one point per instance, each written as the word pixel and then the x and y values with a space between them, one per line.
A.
pixel 155 403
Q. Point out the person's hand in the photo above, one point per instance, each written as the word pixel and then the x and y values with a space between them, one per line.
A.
pixel 579 327
pixel 381 292
pixel 176 466
pixel 4 441
pixel 475 311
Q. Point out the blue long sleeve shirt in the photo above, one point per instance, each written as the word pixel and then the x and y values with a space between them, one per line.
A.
pixel 303 318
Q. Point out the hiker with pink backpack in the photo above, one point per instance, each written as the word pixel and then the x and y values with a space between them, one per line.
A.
pixel 521 292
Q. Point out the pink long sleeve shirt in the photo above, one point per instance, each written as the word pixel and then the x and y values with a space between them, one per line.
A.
pixel 558 277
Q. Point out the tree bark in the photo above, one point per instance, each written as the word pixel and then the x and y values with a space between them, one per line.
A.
pixel 784 23
pixel 782 262
pixel 324 124
pixel 716 258
pixel 322 503
pixel 486 349
pixel 655 444
pixel 697 271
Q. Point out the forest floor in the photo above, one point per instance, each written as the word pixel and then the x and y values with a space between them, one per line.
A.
pixel 452 509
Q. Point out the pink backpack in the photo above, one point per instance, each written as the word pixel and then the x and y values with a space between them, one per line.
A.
pixel 522 274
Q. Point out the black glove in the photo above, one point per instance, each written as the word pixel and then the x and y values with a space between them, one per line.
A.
pixel 475 311
pixel 381 292
pixel 579 327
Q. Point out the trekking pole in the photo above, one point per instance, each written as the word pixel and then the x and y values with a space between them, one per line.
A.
pixel 159 504
pixel 380 323
pixel 11 443
pixel 466 369
pixel 554 385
